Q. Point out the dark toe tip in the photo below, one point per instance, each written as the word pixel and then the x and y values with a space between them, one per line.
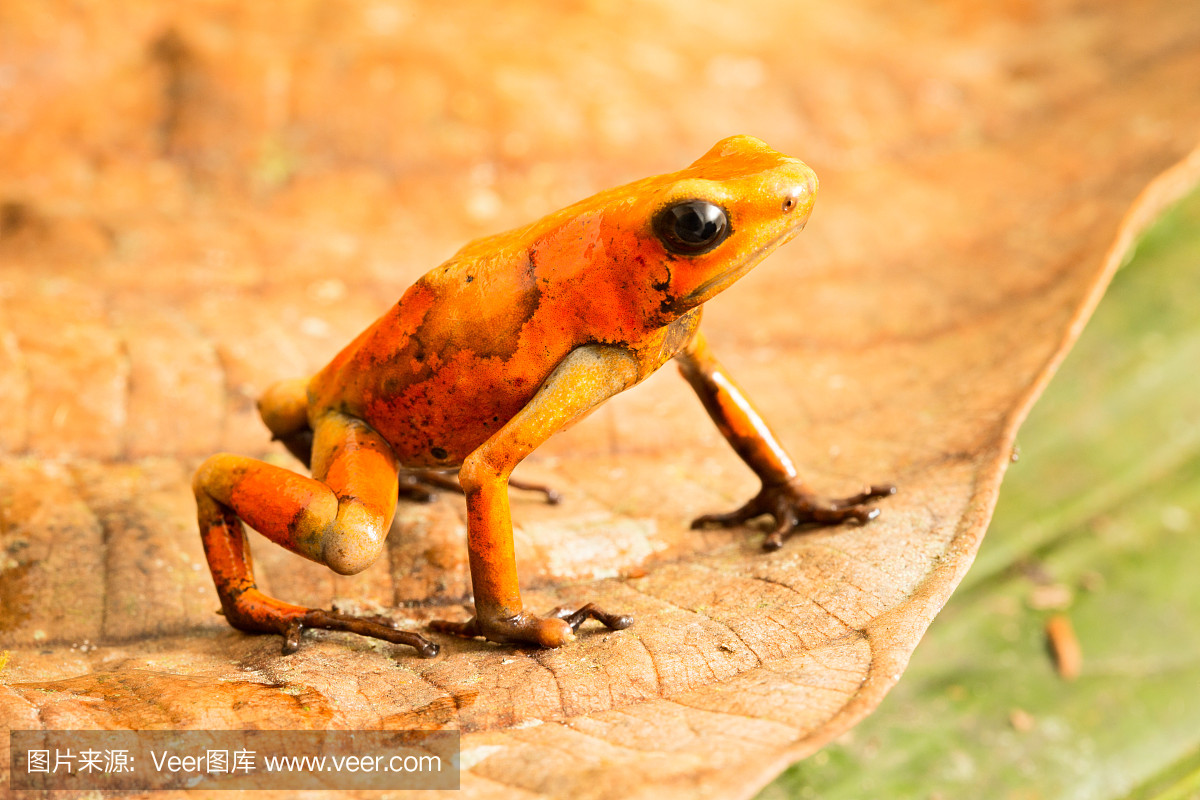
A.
pixel 621 623
pixel 429 650
pixel 291 639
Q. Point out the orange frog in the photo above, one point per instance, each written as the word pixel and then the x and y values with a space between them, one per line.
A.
pixel 487 356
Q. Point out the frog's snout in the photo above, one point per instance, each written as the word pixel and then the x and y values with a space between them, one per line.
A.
pixel 799 194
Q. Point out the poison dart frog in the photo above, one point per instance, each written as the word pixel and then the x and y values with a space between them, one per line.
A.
pixel 487 356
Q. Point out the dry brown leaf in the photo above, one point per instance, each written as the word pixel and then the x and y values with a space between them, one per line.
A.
pixel 198 199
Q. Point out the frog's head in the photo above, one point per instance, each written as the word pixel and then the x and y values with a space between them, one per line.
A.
pixel 710 223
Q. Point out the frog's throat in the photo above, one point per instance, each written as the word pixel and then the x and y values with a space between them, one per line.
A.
pixel 722 281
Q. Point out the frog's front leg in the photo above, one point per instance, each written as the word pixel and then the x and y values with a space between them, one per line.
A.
pixel 338 518
pixel 783 495
pixel 588 376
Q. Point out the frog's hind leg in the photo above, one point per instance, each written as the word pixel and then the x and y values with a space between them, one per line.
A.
pixel 284 409
pixel 339 518
pixel 422 485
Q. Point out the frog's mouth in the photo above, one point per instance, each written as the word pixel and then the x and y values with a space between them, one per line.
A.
pixel 722 281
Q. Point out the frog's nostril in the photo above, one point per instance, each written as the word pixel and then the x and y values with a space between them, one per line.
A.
pixel 803 189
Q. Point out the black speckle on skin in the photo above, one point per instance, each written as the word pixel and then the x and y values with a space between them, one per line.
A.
pixel 296 523
pixel 470 278
pixel 439 453
pixel 662 286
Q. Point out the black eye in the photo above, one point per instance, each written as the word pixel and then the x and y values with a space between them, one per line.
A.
pixel 692 227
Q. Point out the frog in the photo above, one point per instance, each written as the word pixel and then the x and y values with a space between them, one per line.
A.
pixel 514 338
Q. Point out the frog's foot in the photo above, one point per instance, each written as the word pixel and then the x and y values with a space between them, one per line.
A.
pixel 557 629
pixel 791 506
pixel 423 485
pixel 255 612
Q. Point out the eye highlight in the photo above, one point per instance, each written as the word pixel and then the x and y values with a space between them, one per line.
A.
pixel 692 227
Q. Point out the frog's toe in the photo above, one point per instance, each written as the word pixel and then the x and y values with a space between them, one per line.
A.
pixel 729 519
pixel 554 630
pixel 423 485
pixel 374 627
pixel 466 630
pixel 616 622
pixel 521 628
pixel 865 496
pixel 846 509
pixel 548 493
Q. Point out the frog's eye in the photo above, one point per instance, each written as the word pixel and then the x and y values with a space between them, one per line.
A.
pixel 692 227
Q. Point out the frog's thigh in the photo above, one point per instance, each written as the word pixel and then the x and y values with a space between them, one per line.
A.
pixel 339 517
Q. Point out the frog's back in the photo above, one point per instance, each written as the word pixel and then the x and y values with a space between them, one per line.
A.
pixel 450 363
